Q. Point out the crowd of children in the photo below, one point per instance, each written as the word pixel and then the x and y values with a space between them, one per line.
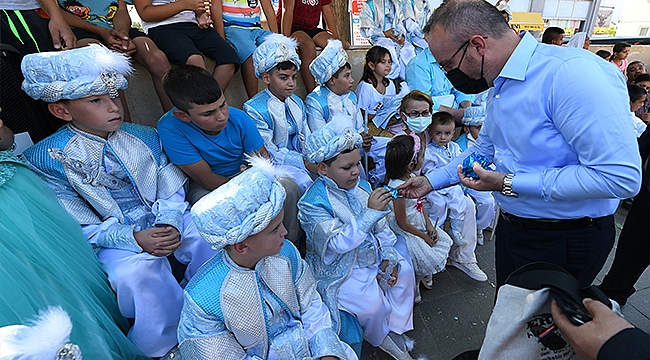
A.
pixel 321 173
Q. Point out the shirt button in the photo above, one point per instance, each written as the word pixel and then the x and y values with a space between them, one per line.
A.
pixel 497 96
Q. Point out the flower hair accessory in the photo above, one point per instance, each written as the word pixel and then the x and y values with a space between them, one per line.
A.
pixel 416 145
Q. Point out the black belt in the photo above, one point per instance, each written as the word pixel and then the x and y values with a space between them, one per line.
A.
pixel 551 224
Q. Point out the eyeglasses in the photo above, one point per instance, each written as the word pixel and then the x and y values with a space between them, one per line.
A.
pixel 446 65
pixel 415 114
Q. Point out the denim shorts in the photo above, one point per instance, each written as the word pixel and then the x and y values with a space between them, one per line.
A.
pixel 245 39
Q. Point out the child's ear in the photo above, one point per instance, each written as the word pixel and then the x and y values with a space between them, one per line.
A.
pixel 59 110
pixel 322 168
pixel 182 115
pixel 240 248
pixel 371 65
pixel 330 82
pixel 266 78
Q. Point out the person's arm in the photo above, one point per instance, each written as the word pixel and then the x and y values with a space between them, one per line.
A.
pixel 122 20
pixel 269 13
pixel 217 17
pixel 286 22
pixel 399 205
pixel 152 13
pixel 606 168
pixel 201 172
pixel 113 39
pixel 59 29
pixel 330 21
pixel 315 113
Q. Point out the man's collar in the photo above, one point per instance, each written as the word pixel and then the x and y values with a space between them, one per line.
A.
pixel 517 64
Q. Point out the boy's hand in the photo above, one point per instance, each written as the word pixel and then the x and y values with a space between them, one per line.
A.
pixel 204 20
pixel 115 40
pixel 384 265
pixel 367 142
pixel 379 198
pixel 196 5
pixel 158 241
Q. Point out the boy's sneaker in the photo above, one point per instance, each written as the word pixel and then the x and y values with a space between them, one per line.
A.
pixel 479 237
pixel 395 345
pixel 471 269
pixel 427 281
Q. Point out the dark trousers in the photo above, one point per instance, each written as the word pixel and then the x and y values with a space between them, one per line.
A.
pixel 580 252
pixel 632 252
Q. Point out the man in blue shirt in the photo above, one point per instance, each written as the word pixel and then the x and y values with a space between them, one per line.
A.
pixel 208 140
pixel 424 73
pixel 564 154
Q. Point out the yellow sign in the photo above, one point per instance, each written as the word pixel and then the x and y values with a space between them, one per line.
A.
pixel 530 21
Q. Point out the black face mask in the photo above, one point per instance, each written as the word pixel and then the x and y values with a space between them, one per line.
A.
pixel 464 83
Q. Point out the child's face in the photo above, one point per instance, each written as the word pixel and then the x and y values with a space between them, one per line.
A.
pixel 644 84
pixel 281 83
pixel 345 169
pixel 382 68
pixel 211 118
pixel 97 115
pixel 269 241
pixel 636 105
pixel 623 54
pixel 342 84
pixel 442 134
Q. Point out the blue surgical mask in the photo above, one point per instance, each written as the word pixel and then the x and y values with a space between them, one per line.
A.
pixel 418 124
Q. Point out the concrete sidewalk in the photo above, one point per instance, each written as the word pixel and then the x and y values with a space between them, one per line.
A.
pixel 453 316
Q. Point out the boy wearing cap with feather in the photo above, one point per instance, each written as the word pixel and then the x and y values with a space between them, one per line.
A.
pixel 350 246
pixel 256 298
pixel 278 113
pixel 114 179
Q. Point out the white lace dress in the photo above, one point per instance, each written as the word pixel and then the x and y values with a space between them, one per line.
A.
pixel 427 260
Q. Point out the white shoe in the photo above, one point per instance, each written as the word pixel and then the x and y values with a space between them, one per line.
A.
pixel 418 297
pixel 390 347
pixel 427 281
pixel 471 269
pixel 479 237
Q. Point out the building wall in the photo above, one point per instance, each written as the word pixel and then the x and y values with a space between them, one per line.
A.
pixel 634 17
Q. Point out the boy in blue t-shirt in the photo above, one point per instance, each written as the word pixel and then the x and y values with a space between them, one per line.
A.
pixel 209 140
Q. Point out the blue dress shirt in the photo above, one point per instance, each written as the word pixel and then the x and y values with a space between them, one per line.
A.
pixel 423 73
pixel 558 118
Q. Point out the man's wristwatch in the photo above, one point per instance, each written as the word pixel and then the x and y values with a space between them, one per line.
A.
pixel 507 186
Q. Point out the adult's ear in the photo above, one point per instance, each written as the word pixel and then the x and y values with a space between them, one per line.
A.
pixel 181 115
pixel 479 43
pixel 59 110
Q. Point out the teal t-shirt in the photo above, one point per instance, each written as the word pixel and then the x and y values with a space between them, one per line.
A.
pixel 96 12
pixel 186 144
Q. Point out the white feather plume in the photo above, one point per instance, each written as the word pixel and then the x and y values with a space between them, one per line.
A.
pixel 39 340
pixel 106 59
pixel 272 170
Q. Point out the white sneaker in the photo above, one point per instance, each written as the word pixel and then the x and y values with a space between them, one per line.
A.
pixel 428 282
pixel 471 269
pixel 418 297
pixel 393 349
pixel 479 237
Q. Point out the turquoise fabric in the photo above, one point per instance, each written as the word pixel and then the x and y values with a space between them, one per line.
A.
pixel 47 261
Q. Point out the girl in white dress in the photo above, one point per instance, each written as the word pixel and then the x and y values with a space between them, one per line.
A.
pixel 427 246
